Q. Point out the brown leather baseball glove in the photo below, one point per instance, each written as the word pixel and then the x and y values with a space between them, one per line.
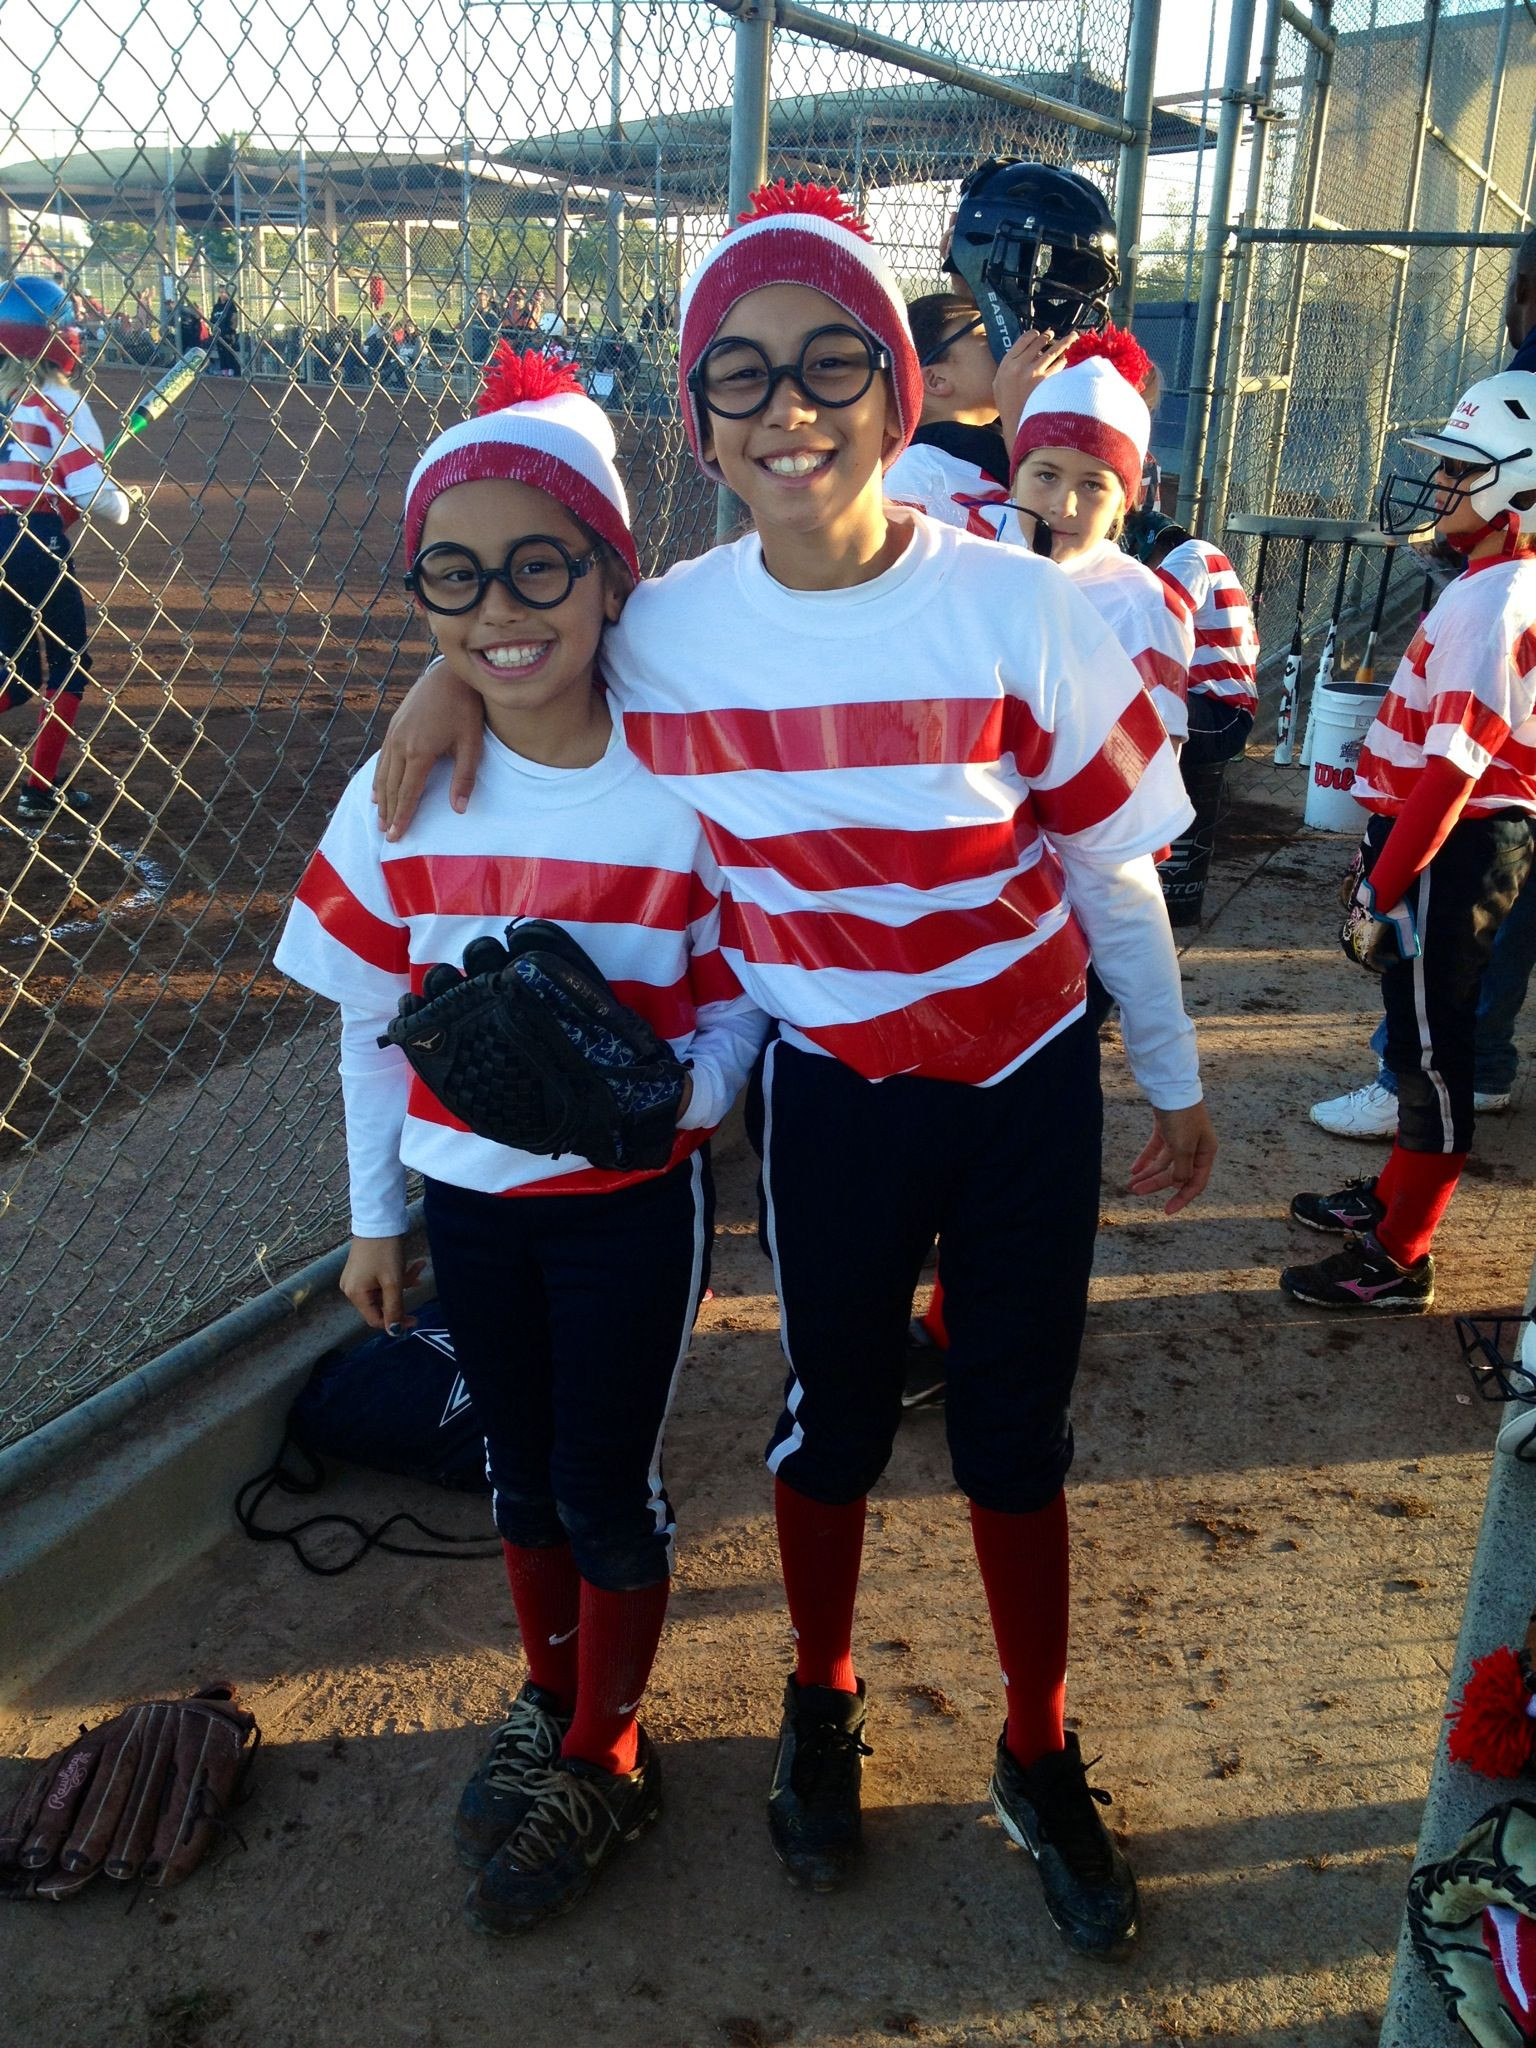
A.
pixel 141 1796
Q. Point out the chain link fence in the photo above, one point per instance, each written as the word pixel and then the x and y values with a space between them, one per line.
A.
pixel 380 196
pixel 1367 278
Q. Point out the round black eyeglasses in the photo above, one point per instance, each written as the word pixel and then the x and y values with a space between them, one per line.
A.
pixel 539 572
pixel 835 367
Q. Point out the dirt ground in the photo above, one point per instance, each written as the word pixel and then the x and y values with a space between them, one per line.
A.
pixel 1274 1519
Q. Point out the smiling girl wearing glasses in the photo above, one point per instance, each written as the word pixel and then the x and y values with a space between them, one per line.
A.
pixel 569 1306
pixel 933 780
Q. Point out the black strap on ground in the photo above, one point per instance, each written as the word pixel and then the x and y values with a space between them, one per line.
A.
pixel 281 1478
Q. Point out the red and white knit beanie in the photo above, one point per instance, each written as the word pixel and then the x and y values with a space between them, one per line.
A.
pixel 1094 405
pixel 536 426
pixel 799 234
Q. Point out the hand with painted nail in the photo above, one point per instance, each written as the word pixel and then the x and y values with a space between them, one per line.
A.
pixel 375 1279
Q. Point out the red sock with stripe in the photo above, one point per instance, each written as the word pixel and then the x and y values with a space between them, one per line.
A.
pixel 546 1591
pixel 617 1647
pixel 820 1551
pixel 933 1321
pixel 55 722
pixel 1023 1560
pixel 1420 1186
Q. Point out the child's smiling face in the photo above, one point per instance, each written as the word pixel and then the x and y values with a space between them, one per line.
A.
pixel 799 467
pixel 532 666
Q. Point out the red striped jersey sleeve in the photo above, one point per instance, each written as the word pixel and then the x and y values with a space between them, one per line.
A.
pixel 1226 652
pixel 344 937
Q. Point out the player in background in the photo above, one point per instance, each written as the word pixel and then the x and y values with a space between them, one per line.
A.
pixel 1449 771
pixel 955 467
pixel 1078 456
pixel 51 475
pixel 933 781
pixel 1370 1111
pixel 569 1292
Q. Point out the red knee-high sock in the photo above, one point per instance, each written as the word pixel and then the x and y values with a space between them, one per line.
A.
pixel 1387 1179
pixel 56 717
pixel 546 1591
pixel 1420 1190
pixel 619 1635
pixel 1023 1561
pixel 933 1321
pixel 820 1550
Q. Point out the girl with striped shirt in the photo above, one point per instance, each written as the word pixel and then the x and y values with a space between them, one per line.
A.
pixel 932 781
pixel 569 1292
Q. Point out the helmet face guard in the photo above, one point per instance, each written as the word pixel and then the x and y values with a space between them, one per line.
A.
pixel 1036 247
pixel 1413 504
pixel 1020 281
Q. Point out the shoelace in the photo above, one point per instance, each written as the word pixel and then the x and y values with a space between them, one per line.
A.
pixel 565 1808
pixel 824 1760
pixel 1074 1828
pixel 527 1739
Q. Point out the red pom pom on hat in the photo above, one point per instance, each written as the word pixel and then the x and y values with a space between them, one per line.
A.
pixel 1491 1727
pixel 514 378
pixel 1120 348
pixel 824 201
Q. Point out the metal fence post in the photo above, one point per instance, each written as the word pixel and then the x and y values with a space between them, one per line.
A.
pixel 1130 184
pixel 1202 369
pixel 1410 212
pixel 1224 427
pixel 1480 212
pixel 1322 80
pixel 749 156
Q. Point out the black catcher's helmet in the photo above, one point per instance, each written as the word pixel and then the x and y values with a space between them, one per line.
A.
pixel 1036 245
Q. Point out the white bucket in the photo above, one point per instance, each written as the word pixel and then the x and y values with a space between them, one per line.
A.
pixel 1341 718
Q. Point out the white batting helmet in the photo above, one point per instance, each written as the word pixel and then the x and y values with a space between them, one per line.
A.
pixel 1492 427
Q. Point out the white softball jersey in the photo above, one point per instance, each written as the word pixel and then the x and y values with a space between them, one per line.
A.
pixel 604 851
pixel 901 782
pixel 949 489
pixel 50 459
pixel 1226 657
pixel 1465 689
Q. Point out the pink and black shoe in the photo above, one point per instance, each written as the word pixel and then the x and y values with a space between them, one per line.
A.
pixel 1363 1276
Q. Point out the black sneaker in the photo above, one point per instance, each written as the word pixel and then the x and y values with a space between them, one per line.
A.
pixel 578 1814
pixel 1354 1207
pixel 813 1801
pixel 35 803
pixel 497 1797
pixel 926 1373
pixel 1363 1276
pixel 1052 1811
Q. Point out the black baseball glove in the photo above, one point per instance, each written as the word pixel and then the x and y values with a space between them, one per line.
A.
pixel 530 1047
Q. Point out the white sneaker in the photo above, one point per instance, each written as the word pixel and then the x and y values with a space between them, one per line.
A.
pixel 1368 1112
pixel 1490 1105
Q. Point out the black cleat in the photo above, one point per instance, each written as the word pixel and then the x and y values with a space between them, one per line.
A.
pixel 1354 1207
pixel 1363 1276
pixel 813 1801
pixel 1051 1810
pixel 496 1797
pixel 927 1372
pixel 578 1815
pixel 33 805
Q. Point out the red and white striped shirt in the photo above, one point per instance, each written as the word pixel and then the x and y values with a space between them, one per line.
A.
pixel 604 851
pixel 946 487
pixel 885 774
pixel 1465 689
pixel 1226 659
pixel 50 459
pixel 1151 621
